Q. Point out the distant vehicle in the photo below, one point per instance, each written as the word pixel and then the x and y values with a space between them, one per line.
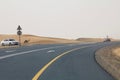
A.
pixel 9 42
pixel 107 40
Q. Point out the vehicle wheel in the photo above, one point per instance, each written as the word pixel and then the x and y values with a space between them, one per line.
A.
pixel 10 44
pixel 3 44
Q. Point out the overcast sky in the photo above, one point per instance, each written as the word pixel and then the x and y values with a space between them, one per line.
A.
pixel 61 18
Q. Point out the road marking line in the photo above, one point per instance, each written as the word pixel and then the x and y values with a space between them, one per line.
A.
pixel 10 51
pixel 50 51
pixel 39 73
pixel 26 52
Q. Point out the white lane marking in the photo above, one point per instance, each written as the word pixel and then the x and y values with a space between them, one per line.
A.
pixel 50 51
pixel 26 52
pixel 10 51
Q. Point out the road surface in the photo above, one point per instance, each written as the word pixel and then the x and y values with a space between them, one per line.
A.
pixel 53 62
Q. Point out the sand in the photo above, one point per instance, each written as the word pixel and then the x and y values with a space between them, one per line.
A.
pixel 32 39
pixel 109 59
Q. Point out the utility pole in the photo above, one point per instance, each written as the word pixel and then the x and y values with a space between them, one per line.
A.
pixel 19 33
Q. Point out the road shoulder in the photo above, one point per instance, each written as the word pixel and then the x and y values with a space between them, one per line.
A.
pixel 108 58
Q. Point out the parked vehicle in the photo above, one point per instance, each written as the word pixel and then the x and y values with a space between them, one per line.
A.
pixel 9 42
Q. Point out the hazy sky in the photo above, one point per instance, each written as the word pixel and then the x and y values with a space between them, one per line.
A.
pixel 61 18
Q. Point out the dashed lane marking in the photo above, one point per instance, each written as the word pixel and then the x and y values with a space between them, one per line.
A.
pixel 27 52
pixel 10 51
pixel 51 51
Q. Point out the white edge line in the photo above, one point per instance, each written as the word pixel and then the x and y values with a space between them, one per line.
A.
pixel 26 52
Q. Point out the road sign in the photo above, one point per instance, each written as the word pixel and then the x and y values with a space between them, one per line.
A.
pixel 19 32
pixel 19 28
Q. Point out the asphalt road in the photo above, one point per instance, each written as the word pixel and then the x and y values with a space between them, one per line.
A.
pixel 53 62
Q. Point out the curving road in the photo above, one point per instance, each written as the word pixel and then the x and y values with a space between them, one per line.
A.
pixel 53 62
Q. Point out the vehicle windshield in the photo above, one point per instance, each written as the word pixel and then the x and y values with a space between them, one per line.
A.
pixel 11 40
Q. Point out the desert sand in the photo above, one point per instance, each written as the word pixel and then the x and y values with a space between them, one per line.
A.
pixel 32 39
pixel 91 39
pixel 109 59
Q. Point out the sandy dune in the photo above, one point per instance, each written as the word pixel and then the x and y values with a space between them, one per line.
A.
pixel 37 39
pixel 90 39
pixel 94 39
pixel 48 40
